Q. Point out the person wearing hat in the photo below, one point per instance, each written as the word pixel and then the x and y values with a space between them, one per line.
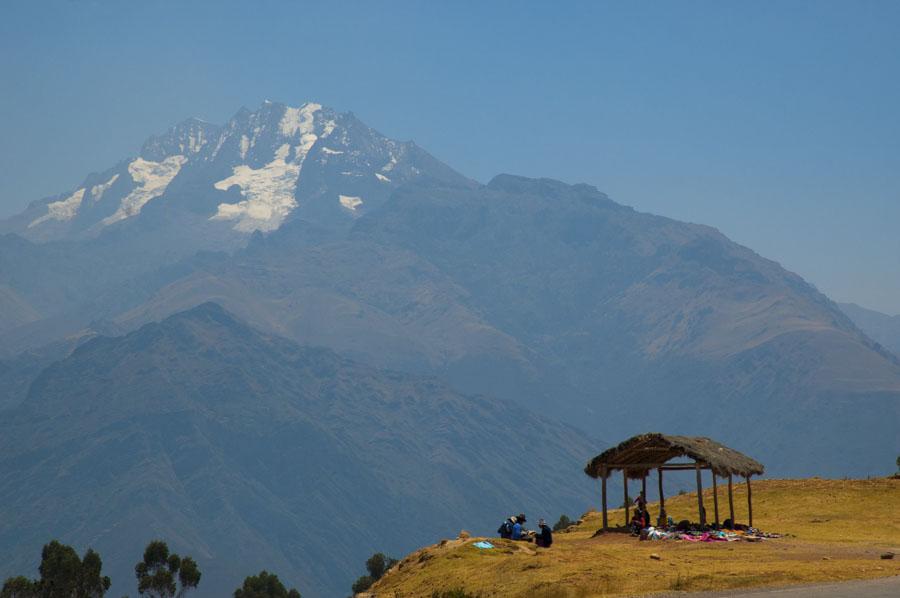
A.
pixel 545 537
pixel 518 528
pixel 506 528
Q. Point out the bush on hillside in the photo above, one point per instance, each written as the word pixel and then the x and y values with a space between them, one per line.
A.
pixel 377 565
pixel 563 523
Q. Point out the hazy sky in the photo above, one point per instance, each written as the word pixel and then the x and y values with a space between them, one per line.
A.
pixel 776 122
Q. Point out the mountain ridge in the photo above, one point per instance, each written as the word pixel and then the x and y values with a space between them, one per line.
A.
pixel 881 327
pixel 249 451
pixel 519 288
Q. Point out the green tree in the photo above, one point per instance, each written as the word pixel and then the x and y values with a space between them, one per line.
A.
pixel 91 583
pixel 377 565
pixel 160 574
pixel 19 587
pixel 264 585
pixel 63 575
pixel 563 523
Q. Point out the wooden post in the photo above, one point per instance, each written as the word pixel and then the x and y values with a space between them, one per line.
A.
pixel 749 503
pixel 625 485
pixel 730 502
pixel 715 498
pixel 662 499
pixel 700 495
pixel 603 486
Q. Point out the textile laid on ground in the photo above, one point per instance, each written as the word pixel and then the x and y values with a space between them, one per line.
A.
pixel 483 545
pixel 750 535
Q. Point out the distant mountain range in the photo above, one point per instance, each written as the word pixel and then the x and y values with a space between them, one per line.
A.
pixel 880 327
pixel 248 451
pixel 308 225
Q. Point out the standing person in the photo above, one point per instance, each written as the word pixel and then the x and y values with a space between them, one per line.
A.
pixel 545 536
pixel 641 501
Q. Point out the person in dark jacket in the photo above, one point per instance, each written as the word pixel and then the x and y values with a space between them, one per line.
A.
pixel 506 528
pixel 545 535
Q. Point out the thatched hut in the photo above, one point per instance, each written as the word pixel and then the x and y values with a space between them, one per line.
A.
pixel 638 455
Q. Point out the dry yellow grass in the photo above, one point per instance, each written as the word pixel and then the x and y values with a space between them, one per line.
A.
pixel 838 531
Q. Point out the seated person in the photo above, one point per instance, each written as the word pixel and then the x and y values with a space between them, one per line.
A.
pixel 505 529
pixel 545 536
pixel 637 522
pixel 518 530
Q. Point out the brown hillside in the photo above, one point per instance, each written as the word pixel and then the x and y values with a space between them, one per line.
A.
pixel 835 531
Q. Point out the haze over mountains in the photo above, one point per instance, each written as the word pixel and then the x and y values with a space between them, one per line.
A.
pixel 308 225
pixel 251 452
pixel 882 328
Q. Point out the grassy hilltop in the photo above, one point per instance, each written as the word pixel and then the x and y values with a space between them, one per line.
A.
pixel 836 530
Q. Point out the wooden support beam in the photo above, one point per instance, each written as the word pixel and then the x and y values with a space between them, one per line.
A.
pixel 666 466
pixel 749 504
pixel 715 498
pixel 625 485
pixel 603 487
pixel 700 497
pixel 662 499
pixel 730 501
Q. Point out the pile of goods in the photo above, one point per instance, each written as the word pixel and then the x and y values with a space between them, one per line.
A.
pixel 694 534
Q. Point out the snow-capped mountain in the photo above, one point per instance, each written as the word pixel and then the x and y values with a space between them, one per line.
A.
pixel 307 224
pixel 254 173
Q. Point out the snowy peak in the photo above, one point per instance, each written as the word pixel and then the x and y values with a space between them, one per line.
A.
pixel 258 170
pixel 187 138
pixel 272 144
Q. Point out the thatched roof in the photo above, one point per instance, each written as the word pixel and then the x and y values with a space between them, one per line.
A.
pixel 657 449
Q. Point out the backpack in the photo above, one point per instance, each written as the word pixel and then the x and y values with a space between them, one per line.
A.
pixel 505 529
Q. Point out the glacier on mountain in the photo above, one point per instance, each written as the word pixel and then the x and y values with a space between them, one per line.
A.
pixel 97 191
pixel 269 191
pixel 151 178
pixel 61 210
pixel 350 202
pixel 298 119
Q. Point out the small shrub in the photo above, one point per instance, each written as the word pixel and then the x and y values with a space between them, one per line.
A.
pixel 563 523
pixel 377 565
pixel 362 584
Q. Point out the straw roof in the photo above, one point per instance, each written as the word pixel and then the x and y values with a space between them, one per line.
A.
pixel 654 450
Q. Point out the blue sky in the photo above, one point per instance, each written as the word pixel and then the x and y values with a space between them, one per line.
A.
pixel 776 122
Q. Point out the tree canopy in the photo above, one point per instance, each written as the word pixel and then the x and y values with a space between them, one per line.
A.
pixel 160 574
pixel 62 575
pixel 377 565
pixel 264 585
